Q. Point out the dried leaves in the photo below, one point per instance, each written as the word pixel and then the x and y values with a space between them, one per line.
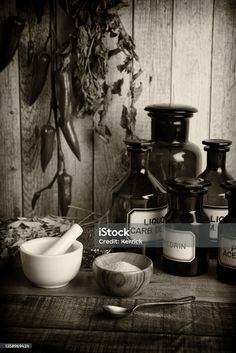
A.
pixel 81 82
pixel 128 119
pixel 86 55
pixel 14 232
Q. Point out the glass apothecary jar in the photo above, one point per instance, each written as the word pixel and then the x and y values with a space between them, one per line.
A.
pixel 173 155
pixel 214 202
pixel 226 267
pixel 138 198
pixel 185 239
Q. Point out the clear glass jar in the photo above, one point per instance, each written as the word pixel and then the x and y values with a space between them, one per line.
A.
pixel 173 155
pixel 226 265
pixel 139 198
pixel 185 239
pixel 214 202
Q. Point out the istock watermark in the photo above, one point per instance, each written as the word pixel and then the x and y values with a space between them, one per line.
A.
pixel 173 235
pixel 123 235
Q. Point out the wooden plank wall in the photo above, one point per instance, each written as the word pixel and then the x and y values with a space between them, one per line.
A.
pixel 34 117
pixel 10 135
pixel 188 55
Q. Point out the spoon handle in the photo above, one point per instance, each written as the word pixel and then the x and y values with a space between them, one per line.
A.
pixel 183 300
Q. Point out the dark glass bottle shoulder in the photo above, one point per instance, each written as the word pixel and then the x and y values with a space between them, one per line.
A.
pixel 178 216
pixel 216 194
pixel 228 219
pixel 174 160
pixel 138 184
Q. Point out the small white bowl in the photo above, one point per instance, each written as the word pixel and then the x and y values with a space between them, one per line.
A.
pixel 50 271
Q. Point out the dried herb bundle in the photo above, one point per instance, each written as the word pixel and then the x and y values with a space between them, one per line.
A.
pixel 86 55
pixel 79 81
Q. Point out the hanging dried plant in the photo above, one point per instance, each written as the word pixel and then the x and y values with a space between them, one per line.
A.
pixel 86 55
pixel 79 82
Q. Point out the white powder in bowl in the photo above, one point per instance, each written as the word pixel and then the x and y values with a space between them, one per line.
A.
pixel 121 266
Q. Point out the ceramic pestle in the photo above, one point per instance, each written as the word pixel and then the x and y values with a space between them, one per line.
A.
pixel 63 243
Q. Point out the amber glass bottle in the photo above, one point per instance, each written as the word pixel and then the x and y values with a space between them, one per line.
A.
pixel 226 267
pixel 214 202
pixel 173 155
pixel 139 198
pixel 185 241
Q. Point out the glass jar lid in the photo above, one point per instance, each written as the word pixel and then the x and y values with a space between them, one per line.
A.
pixel 187 185
pixel 218 144
pixel 170 110
pixel 139 144
pixel 230 186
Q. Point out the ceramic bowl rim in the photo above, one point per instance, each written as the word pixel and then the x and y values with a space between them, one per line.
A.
pixel 150 265
pixel 78 244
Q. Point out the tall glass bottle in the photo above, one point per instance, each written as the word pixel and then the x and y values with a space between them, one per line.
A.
pixel 173 155
pixel 226 266
pixel 139 198
pixel 185 241
pixel 214 202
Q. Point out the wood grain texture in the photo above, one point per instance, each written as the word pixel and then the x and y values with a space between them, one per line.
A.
pixel 81 171
pixel 48 340
pixel 162 286
pixel 152 37
pixel 121 283
pixel 191 62
pixel 223 102
pixel 33 118
pixel 188 55
pixel 10 140
pixel 108 158
pixel 180 327
pixel 87 314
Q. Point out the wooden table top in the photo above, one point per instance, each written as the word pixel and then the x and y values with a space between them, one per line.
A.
pixel 71 319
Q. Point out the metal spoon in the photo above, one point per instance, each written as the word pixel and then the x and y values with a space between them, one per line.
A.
pixel 119 311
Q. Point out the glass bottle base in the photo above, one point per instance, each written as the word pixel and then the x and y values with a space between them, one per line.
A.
pixel 226 275
pixel 194 268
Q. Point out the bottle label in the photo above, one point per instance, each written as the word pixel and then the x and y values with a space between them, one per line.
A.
pixel 215 215
pixel 227 253
pixel 146 224
pixel 179 245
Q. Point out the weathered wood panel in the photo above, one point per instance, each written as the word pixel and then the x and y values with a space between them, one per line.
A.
pixel 48 340
pixel 187 54
pixel 10 141
pixel 191 61
pixel 152 36
pixel 108 157
pixel 81 171
pixel 84 327
pixel 223 92
pixel 33 118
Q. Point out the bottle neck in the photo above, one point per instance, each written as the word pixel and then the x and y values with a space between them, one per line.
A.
pixel 188 203
pixel 138 160
pixel 232 206
pixel 169 130
pixel 216 160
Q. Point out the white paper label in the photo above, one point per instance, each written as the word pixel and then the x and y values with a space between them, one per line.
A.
pixel 179 245
pixel 215 215
pixel 227 254
pixel 146 224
